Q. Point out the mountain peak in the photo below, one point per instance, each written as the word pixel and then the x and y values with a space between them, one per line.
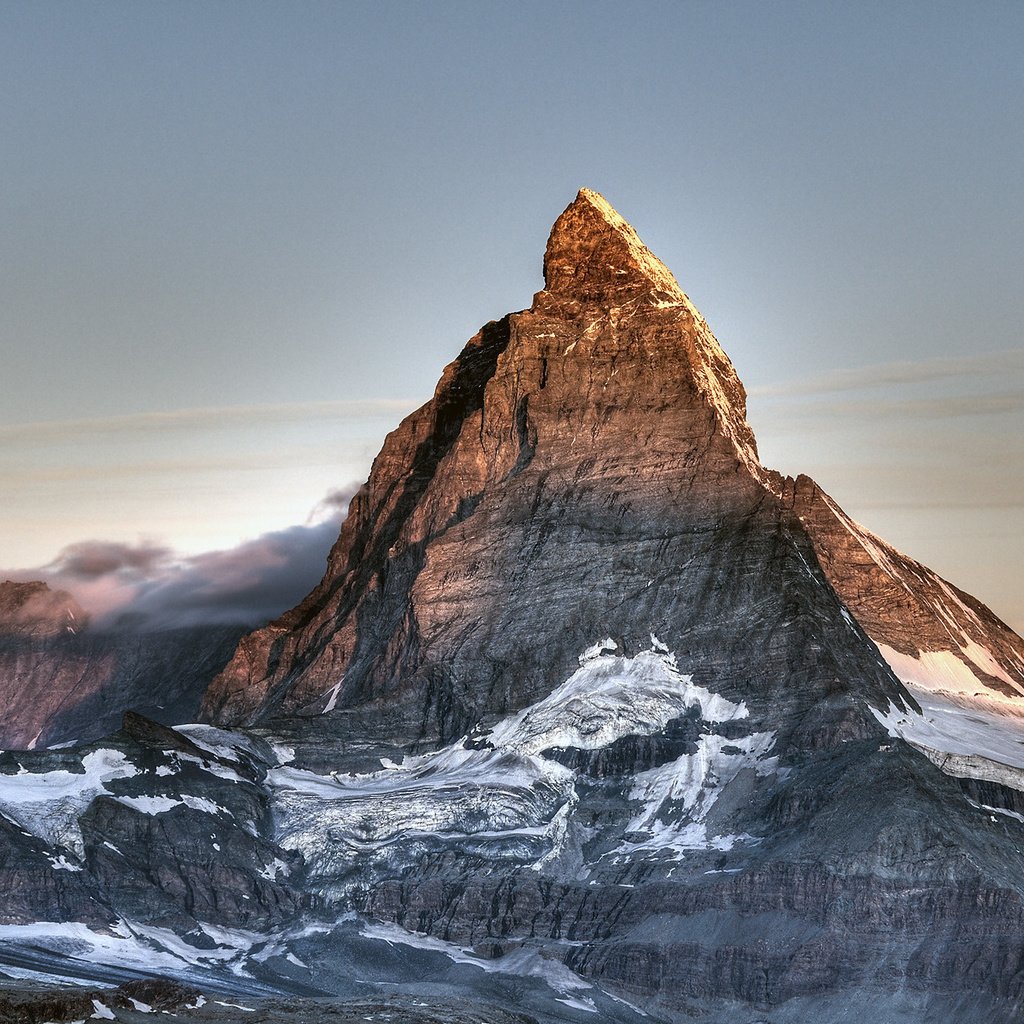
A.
pixel 594 255
pixel 33 609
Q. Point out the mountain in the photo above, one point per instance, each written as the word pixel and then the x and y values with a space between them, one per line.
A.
pixel 933 634
pixel 62 679
pixel 592 716
pixel 34 610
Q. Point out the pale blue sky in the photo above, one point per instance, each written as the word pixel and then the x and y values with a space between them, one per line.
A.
pixel 267 211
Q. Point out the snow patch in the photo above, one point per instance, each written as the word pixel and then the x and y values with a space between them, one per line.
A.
pixel 332 700
pixel 49 804
pixel 610 697
pixel 218 742
pixel 521 962
pixel 678 796
pixel 953 724
pixel 949 672
pixel 161 804
pixel 61 863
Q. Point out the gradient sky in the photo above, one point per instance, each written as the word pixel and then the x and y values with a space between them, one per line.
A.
pixel 240 240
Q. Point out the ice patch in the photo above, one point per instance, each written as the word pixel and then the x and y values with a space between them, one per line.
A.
pixel 49 804
pixel 457 794
pixel 954 725
pixel 521 962
pixel 678 796
pixel 162 804
pixel 332 700
pixel 610 697
pixel 61 863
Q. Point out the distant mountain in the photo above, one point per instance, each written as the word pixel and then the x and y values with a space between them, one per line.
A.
pixel 591 717
pixel 62 679
pixel 34 610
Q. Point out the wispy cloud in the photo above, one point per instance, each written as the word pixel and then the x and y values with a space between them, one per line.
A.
pixel 867 410
pixel 1008 363
pixel 204 418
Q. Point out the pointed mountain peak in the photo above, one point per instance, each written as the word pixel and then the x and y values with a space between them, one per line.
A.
pixel 594 255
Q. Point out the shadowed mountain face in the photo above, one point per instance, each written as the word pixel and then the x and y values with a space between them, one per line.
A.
pixel 63 680
pixel 591 712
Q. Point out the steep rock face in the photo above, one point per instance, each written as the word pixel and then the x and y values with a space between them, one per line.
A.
pixel 933 635
pixel 584 469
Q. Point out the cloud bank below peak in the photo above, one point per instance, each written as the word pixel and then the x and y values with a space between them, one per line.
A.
pixel 148 586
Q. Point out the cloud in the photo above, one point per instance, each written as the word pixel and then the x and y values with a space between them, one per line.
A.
pixel 88 560
pixel 333 504
pixel 1003 364
pixel 189 419
pixel 147 586
pixel 868 410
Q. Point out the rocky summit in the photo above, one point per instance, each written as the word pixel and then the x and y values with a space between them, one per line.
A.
pixel 592 716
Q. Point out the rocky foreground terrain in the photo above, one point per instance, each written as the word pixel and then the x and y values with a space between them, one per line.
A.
pixel 592 717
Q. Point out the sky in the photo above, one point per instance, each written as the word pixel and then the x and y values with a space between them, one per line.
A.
pixel 240 240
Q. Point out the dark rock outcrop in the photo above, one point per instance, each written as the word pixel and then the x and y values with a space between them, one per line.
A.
pixel 53 1006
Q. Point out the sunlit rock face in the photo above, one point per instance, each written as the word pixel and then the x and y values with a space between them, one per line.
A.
pixel 584 469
